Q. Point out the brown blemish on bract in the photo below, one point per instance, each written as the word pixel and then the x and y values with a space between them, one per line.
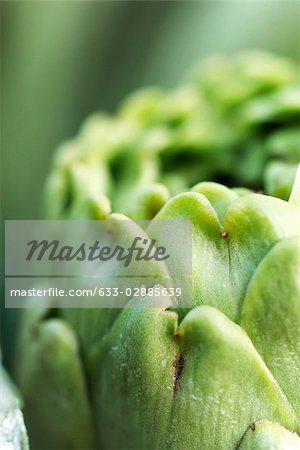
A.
pixel 224 234
pixel 178 365
pixel 252 426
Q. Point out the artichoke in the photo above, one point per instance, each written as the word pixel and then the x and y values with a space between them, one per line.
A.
pixel 223 374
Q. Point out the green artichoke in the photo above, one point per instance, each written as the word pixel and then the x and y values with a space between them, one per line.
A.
pixel 224 374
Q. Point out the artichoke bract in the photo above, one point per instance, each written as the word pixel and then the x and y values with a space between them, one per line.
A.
pixel 223 374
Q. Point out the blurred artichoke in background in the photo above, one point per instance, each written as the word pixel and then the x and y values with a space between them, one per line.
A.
pixel 224 374
pixel 234 120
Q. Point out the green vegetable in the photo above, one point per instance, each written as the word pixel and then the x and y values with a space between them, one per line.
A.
pixel 199 378
pixel 223 374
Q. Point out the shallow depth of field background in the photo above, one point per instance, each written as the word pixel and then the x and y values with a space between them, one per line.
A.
pixel 62 60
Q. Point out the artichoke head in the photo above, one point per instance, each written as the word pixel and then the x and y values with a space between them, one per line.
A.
pixel 223 374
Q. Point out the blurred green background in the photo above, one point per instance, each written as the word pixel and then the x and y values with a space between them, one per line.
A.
pixel 63 60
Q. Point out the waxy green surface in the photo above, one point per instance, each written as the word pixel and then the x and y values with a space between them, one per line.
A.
pixel 155 378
